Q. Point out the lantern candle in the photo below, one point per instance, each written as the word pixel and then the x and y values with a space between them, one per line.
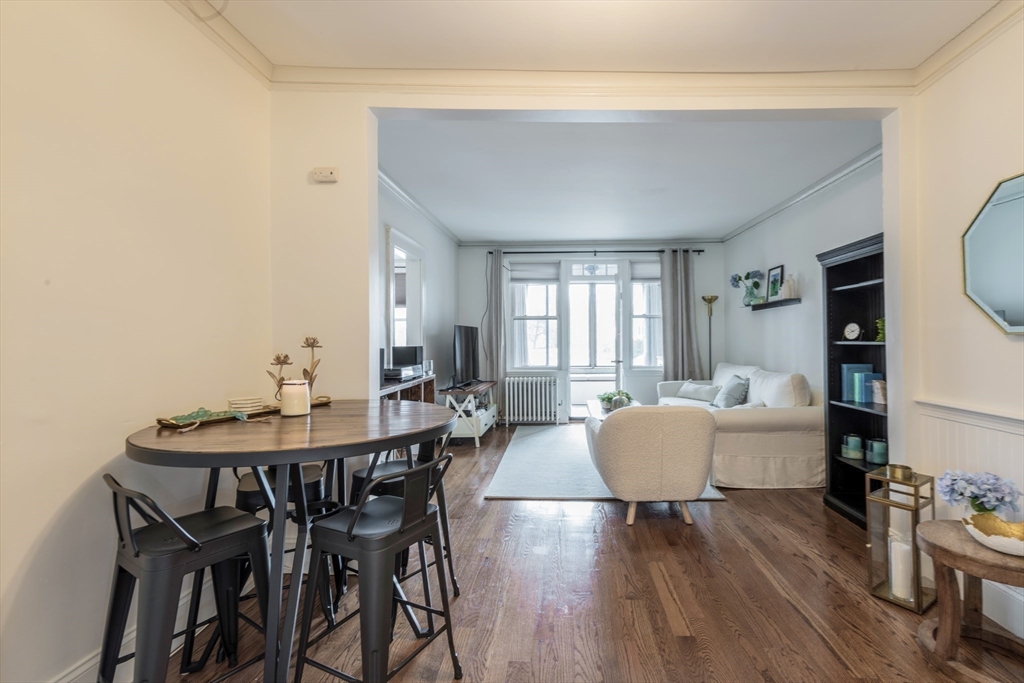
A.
pixel 901 567
pixel 294 398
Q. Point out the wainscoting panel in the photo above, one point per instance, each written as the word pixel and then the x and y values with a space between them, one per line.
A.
pixel 953 437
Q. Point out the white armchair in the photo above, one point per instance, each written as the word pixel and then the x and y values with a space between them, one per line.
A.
pixel 653 453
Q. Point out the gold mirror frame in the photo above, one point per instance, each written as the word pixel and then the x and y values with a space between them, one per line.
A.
pixel 976 300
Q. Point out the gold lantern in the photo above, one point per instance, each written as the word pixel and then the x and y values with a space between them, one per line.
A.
pixel 897 569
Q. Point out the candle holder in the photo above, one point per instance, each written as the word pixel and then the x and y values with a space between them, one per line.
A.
pixel 897 569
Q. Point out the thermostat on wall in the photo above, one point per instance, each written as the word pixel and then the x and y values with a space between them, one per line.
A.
pixel 325 174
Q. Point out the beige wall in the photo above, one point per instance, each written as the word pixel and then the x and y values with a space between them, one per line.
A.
pixel 971 138
pixel 135 282
pixel 325 260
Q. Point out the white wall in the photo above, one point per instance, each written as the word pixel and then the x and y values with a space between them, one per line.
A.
pixel 788 339
pixel 970 396
pixel 708 279
pixel 134 283
pixel 439 272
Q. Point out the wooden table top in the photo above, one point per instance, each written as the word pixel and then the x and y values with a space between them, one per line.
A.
pixel 949 543
pixel 342 429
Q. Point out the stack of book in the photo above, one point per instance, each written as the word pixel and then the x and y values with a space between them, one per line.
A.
pixel 857 379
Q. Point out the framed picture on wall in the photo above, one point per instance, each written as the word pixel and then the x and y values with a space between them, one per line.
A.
pixel 774 291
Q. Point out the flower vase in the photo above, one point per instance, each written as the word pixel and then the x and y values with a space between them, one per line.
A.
pixel 992 530
pixel 749 296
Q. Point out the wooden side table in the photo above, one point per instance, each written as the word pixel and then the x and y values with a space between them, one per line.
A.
pixel 952 548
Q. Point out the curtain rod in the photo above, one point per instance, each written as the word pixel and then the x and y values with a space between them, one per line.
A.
pixel 595 252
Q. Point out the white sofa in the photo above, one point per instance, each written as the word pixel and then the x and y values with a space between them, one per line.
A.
pixel 775 439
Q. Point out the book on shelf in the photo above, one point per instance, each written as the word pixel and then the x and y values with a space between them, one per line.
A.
pixel 847 372
pixel 862 391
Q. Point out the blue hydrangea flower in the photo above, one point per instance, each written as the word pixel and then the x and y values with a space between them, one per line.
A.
pixel 984 492
pixel 734 280
pixel 756 275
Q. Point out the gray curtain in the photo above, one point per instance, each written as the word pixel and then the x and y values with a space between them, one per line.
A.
pixel 679 316
pixel 493 329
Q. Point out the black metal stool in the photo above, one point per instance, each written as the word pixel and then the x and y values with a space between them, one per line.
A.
pixel 162 553
pixel 372 533
pixel 249 497
pixel 397 488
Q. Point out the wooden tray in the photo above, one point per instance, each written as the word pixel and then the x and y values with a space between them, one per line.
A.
pixel 267 410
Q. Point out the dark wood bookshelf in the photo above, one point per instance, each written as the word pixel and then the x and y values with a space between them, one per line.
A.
pixel 859 343
pixel 877 282
pixel 874 408
pixel 775 304
pixel 853 288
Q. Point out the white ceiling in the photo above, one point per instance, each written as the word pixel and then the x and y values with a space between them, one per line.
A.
pixel 501 181
pixel 611 35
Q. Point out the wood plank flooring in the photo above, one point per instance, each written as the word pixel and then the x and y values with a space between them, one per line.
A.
pixel 767 586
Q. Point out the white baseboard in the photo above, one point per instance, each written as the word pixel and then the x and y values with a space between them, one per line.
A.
pixel 1005 606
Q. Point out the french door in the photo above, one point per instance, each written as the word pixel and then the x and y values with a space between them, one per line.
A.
pixel 595 335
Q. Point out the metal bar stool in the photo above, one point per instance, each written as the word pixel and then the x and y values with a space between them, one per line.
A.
pixel 396 488
pixel 373 532
pixel 158 556
pixel 249 497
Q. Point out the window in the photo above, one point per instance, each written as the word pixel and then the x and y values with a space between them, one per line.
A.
pixel 592 325
pixel 594 269
pixel 647 350
pixel 534 319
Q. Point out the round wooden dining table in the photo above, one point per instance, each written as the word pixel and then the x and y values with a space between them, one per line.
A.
pixel 343 429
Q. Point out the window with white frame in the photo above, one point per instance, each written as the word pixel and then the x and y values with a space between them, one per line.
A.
pixel 593 317
pixel 647 344
pixel 534 306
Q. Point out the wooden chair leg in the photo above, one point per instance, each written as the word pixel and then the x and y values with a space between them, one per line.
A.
pixel 686 512
pixel 631 514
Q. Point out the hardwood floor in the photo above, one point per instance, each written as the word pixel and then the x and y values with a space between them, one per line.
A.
pixel 767 586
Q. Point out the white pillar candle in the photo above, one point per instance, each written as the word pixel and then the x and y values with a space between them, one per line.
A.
pixel 295 397
pixel 901 570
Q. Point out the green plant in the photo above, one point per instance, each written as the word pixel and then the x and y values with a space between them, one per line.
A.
pixel 609 395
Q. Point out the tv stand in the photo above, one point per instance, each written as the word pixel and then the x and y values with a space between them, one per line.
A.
pixel 473 421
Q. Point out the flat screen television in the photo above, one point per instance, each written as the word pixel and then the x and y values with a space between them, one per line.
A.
pixel 467 355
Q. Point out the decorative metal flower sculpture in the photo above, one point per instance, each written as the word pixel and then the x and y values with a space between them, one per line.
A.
pixel 280 360
pixel 311 343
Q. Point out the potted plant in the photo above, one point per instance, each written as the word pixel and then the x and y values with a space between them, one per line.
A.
pixel 609 399
pixel 988 500
pixel 750 281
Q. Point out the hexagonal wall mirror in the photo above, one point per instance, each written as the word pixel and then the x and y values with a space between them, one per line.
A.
pixel 994 256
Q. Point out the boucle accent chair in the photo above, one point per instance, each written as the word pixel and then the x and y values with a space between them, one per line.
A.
pixel 653 453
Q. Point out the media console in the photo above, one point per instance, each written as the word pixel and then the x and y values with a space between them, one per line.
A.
pixel 473 419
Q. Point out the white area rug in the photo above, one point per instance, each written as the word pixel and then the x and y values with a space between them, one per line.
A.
pixel 551 462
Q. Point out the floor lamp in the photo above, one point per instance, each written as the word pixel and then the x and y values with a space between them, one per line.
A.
pixel 709 299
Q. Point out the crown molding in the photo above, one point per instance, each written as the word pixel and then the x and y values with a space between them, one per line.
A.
pixel 388 183
pixel 989 26
pixel 214 26
pixel 612 84
pixel 872 155
pixel 897 82
pixel 587 245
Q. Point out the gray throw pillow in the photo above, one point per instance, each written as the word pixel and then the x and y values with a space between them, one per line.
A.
pixel 733 392
pixel 698 392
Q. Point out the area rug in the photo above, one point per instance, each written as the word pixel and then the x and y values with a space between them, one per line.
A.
pixel 552 462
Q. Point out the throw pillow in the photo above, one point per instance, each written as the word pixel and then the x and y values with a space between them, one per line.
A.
pixel 733 392
pixel 698 392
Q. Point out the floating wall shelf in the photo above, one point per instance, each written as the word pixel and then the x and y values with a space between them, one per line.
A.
pixel 775 304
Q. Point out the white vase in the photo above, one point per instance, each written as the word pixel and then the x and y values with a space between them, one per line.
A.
pixel 993 531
